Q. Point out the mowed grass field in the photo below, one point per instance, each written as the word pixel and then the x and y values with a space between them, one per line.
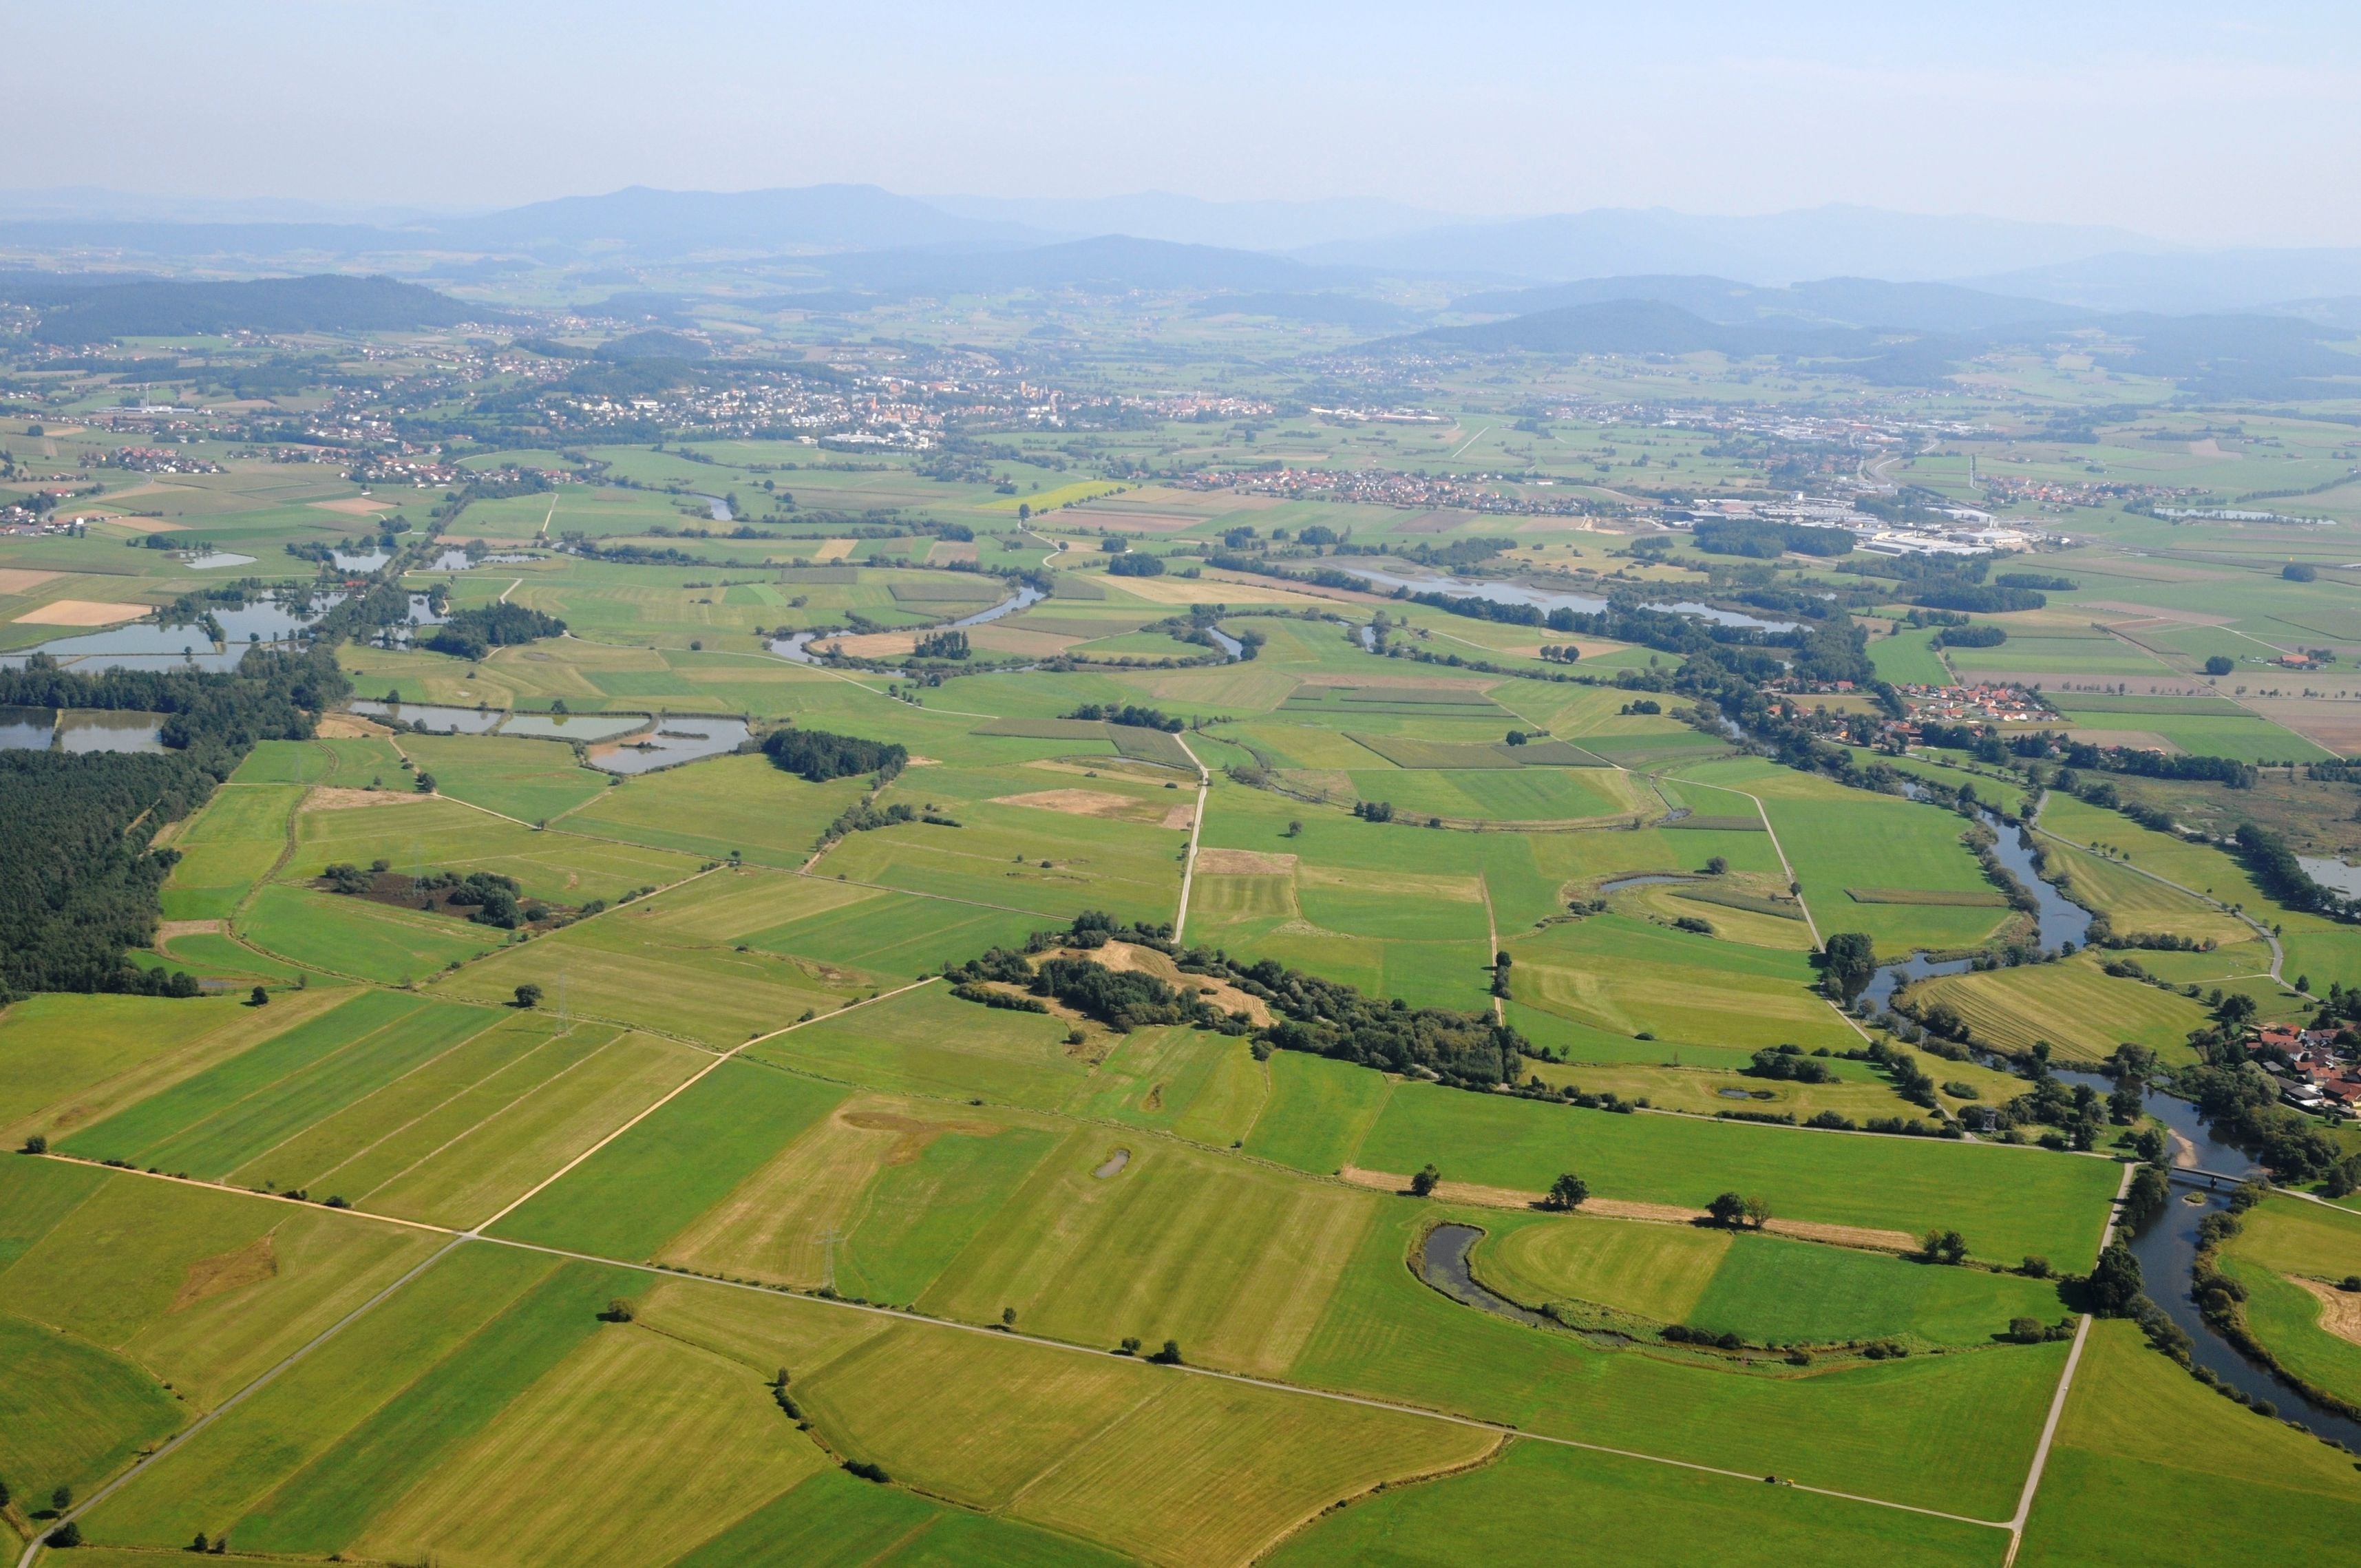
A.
pixel 1766 1290
pixel 2083 1012
pixel 1525 1508
pixel 2142 1442
pixel 2057 1203
pixel 740 952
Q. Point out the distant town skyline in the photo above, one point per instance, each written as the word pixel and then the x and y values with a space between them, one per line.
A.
pixel 2175 120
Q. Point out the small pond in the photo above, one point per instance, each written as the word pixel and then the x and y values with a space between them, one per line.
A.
pixel 427 716
pixel 678 738
pixel 216 560
pixel 27 728
pixel 88 729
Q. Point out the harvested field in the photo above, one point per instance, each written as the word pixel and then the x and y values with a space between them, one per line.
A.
pixel 354 505
pixel 339 798
pixel 2340 1309
pixel 1244 862
pixel 19 580
pixel 1095 803
pixel 82 612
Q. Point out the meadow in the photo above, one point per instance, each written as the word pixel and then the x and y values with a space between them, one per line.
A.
pixel 606 1267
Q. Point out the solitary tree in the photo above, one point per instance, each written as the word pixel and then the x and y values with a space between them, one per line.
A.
pixel 1728 1211
pixel 260 998
pixel 528 995
pixel 1717 865
pixel 1566 1192
pixel 1423 1183
pixel 1758 1212
pixel 1848 964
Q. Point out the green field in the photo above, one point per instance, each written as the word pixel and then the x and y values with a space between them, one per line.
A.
pixel 700 1225
pixel 1905 1185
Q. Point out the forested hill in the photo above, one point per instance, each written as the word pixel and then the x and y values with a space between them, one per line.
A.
pixel 322 303
pixel 79 881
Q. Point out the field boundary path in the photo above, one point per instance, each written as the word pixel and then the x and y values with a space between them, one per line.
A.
pixel 33 1548
pixel 476 1230
pixel 2278 953
pixel 1196 826
pixel 2058 1400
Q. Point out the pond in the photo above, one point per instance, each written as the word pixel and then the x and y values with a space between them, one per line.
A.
pixel 27 728
pixel 2334 875
pixel 460 561
pixel 215 560
pixel 678 738
pixel 1444 1258
pixel 583 727
pixel 716 507
pixel 1517 592
pixel 427 716
pixel 120 729
pixel 349 560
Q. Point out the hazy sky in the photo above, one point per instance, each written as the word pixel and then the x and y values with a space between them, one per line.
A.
pixel 2220 123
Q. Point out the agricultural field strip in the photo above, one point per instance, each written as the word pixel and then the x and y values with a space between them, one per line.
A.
pixel 474 1128
pixel 395 741
pixel 1196 826
pixel 2279 954
pixel 1761 811
pixel 2250 637
pixel 676 1091
pixel 1501 1428
pixel 2057 1399
pixel 476 1233
pixel 33 1547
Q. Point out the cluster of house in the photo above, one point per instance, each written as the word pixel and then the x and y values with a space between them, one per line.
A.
pixel 2321 1077
pixel 1975 705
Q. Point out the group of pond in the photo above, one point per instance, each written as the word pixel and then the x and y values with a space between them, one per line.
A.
pixel 616 742
pixel 80 730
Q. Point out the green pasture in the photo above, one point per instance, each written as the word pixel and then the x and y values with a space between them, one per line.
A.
pixel 203 1289
pixel 227 849
pixel 682 962
pixel 355 937
pixel 485 1147
pixel 1954 1432
pixel 2057 1204
pixel 2144 1450
pixel 928 1042
pixel 729 805
pixel 58 1048
pixel 633 1195
pixel 265 1051
pixel 1625 977
pixel 1908 658
pixel 1837 838
pixel 531 781
pixel 1766 1290
pixel 1524 1508
pixel 420 835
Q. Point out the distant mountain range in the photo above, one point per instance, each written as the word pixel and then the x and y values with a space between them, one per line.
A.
pixel 1329 241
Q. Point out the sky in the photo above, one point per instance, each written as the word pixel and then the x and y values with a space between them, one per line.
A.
pixel 2208 124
